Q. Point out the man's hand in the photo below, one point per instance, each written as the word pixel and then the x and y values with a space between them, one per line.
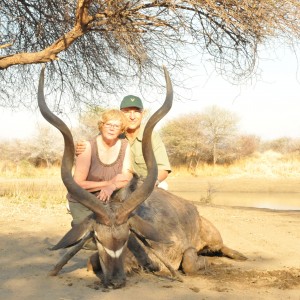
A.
pixel 80 147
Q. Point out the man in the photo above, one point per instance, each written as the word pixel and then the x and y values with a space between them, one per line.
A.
pixel 133 109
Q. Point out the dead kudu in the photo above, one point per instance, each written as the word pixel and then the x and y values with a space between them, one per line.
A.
pixel 142 226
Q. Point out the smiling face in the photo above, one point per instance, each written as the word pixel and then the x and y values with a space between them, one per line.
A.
pixel 112 123
pixel 134 117
pixel 111 129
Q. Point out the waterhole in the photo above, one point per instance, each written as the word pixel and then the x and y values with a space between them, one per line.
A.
pixel 277 201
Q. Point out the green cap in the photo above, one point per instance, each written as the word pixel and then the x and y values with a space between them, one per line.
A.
pixel 131 101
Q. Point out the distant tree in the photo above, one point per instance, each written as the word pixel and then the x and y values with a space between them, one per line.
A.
pixel 295 149
pixel 237 147
pixel 5 149
pixel 99 46
pixel 247 145
pixel 46 147
pixel 16 150
pixel 219 127
pixel 88 123
pixel 183 138
pixel 209 137
pixel 282 145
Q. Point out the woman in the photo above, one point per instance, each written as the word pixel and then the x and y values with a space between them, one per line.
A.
pixel 105 164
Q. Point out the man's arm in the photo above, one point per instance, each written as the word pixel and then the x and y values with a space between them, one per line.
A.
pixel 161 156
pixel 162 175
pixel 80 147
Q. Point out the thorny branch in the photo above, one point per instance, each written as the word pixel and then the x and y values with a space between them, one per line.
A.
pixel 99 45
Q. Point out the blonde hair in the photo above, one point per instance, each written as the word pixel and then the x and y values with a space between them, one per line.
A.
pixel 113 114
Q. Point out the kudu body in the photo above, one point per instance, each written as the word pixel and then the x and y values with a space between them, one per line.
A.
pixel 141 225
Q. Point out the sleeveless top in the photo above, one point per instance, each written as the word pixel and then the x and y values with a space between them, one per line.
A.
pixel 100 171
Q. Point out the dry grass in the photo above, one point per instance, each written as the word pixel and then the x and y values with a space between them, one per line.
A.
pixel 27 184
pixel 23 183
pixel 24 169
pixel 262 165
pixel 45 191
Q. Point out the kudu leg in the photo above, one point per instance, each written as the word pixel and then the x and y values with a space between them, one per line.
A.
pixel 232 253
pixel 173 272
pixel 192 263
pixel 67 256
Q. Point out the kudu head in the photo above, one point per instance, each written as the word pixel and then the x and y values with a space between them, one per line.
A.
pixel 110 223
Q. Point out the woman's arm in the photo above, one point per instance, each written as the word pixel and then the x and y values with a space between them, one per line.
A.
pixel 121 180
pixel 82 166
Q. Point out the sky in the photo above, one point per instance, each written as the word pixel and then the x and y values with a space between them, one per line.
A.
pixel 268 106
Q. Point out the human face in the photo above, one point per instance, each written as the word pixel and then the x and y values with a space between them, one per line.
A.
pixel 134 116
pixel 111 129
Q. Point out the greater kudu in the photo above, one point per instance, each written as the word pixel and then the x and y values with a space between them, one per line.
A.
pixel 110 224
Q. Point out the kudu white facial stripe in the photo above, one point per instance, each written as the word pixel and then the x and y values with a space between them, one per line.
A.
pixel 114 254
pixel 111 253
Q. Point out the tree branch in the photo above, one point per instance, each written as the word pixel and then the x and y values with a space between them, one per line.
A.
pixel 50 53
pixel 5 45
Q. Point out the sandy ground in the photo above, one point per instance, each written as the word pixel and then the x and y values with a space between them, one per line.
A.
pixel 270 240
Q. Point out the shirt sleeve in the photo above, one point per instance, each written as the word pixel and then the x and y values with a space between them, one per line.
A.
pixel 160 153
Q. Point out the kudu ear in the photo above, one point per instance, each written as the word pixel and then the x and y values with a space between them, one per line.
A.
pixel 144 230
pixel 75 234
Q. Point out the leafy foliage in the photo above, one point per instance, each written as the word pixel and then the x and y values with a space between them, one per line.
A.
pixel 208 137
pixel 184 140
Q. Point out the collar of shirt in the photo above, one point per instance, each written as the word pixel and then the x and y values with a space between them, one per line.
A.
pixel 139 137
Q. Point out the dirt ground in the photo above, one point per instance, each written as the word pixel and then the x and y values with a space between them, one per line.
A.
pixel 270 240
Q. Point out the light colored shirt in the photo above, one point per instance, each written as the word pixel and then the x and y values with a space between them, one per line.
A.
pixel 160 153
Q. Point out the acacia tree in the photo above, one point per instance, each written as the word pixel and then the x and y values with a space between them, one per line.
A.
pixel 99 46
pixel 45 147
pixel 219 127
pixel 184 140
pixel 208 137
pixel 246 145
pixel 88 124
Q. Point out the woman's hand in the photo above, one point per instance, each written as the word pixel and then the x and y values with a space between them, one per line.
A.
pixel 117 182
pixel 106 192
